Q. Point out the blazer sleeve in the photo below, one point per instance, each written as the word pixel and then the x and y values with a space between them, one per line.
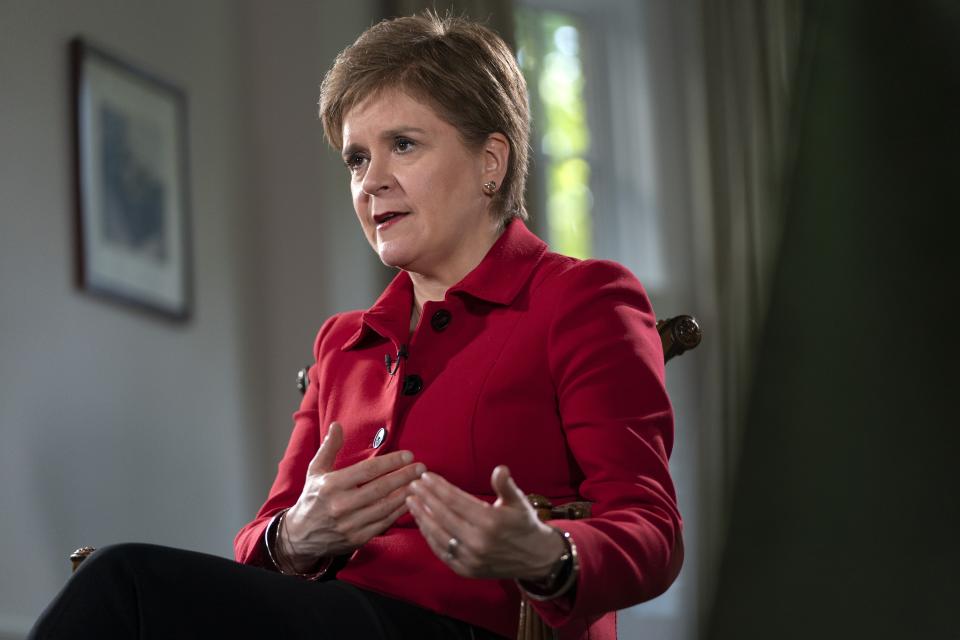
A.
pixel 248 546
pixel 606 360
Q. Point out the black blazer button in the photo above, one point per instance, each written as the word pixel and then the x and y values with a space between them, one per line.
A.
pixel 440 320
pixel 412 384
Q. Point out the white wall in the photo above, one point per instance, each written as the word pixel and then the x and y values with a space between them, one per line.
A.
pixel 118 426
pixel 308 255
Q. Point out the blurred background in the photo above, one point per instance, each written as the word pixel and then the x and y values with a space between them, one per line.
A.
pixel 786 171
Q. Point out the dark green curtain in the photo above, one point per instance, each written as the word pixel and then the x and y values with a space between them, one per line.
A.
pixel 752 78
pixel 844 523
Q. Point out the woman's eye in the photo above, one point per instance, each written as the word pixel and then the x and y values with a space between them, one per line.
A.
pixel 354 162
pixel 403 145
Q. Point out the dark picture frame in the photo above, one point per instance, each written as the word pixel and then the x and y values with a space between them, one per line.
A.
pixel 131 183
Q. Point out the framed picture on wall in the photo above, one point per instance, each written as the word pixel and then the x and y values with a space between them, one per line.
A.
pixel 133 218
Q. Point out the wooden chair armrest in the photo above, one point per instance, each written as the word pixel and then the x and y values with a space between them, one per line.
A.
pixel 568 511
pixel 80 555
pixel 678 335
pixel 532 626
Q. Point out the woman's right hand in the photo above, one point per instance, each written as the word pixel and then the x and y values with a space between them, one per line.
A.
pixel 338 511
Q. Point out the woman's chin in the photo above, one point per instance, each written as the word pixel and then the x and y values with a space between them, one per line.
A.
pixel 392 256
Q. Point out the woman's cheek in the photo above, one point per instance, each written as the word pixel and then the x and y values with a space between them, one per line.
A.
pixel 366 226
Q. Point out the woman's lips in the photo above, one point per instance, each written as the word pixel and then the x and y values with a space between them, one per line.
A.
pixel 387 220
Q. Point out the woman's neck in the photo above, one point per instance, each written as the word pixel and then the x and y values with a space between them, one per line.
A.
pixel 433 286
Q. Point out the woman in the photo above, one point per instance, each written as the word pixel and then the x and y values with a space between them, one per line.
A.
pixel 488 364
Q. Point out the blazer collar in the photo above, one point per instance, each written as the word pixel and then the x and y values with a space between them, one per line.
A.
pixel 497 280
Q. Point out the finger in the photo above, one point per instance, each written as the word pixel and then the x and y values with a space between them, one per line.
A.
pixel 377 511
pixel 385 522
pixel 378 488
pixel 506 489
pixel 453 497
pixel 424 519
pixel 372 468
pixel 379 526
pixel 324 458
pixel 437 538
pixel 357 506
pixel 440 512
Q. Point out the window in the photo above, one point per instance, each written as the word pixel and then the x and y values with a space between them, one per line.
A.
pixel 548 50
pixel 594 136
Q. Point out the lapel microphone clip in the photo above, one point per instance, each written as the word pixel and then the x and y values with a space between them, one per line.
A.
pixel 394 366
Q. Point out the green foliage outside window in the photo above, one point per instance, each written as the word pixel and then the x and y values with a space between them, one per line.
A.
pixel 549 55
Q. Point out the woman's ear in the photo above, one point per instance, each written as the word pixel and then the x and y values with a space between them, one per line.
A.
pixel 496 157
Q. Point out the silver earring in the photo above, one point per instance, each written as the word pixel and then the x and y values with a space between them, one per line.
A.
pixel 490 188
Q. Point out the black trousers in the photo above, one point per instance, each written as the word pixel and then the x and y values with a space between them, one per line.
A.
pixel 145 591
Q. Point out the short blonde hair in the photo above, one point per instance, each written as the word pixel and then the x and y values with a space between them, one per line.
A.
pixel 463 69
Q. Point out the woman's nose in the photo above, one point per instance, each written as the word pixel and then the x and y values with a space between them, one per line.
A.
pixel 377 177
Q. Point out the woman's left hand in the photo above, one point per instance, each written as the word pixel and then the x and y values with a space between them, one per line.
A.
pixel 481 540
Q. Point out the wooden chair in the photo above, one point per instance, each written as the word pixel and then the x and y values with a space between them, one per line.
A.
pixel 678 335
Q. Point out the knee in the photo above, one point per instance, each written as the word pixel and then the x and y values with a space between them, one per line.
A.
pixel 122 558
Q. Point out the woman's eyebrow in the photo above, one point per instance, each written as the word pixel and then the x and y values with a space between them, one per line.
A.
pixel 389 134
pixel 350 149
pixel 399 131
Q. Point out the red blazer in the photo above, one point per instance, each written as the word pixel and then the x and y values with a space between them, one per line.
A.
pixel 545 363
